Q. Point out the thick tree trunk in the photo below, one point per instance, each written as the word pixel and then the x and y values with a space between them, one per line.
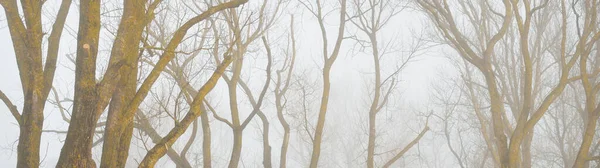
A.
pixel 77 151
pixel 36 78
pixel 586 143
pixel 236 152
pixel 32 118
pixel 526 150
pixel 124 143
pixel 28 149
pixel 118 131
pixel 497 109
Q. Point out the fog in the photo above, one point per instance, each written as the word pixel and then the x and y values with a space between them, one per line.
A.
pixel 297 83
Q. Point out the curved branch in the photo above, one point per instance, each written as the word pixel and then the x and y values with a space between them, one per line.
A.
pixel 217 116
pixel 261 97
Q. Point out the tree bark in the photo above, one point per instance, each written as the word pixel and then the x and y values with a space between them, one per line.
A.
pixel 236 150
pixel 119 130
pixel 78 145
pixel 36 78
pixel 328 62
pixel 206 140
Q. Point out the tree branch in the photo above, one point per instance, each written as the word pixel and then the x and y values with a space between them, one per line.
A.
pixel 11 107
pixel 410 145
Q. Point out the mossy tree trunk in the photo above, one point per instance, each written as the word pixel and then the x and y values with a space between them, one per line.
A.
pixel 35 74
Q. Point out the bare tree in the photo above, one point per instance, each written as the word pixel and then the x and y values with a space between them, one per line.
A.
pixel 526 114
pixel 589 81
pixel 92 97
pixel 282 85
pixel 36 76
pixel 257 105
pixel 440 14
pixel 247 32
pixel 181 70
pixel 371 17
pixel 521 89
pixel 328 60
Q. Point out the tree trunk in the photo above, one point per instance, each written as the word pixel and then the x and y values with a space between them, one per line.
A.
pixel 36 78
pixel 237 148
pixel 526 150
pixel 375 104
pixel 28 149
pixel 497 109
pixel 77 151
pixel 118 131
pixel 328 62
pixel 236 127
pixel 286 135
pixel 371 143
pixel 206 140
pixel 588 137
pixel 279 93
pixel 316 153
pixel 266 147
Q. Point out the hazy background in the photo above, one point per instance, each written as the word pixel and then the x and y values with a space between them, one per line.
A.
pixel 348 102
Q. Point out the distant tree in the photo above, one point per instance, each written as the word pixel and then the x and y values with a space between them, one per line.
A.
pixel 371 17
pixel 282 84
pixel 515 36
pixel 328 60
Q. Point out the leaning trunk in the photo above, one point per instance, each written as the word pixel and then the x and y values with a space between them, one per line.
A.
pixel 119 129
pixel 118 132
pixel 588 137
pixel 316 153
